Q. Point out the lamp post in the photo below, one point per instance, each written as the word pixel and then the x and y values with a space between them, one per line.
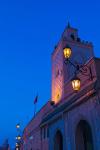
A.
pixel 83 69
pixel 18 137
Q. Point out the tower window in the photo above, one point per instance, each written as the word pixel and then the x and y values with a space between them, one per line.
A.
pixel 78 40
pixel 72 37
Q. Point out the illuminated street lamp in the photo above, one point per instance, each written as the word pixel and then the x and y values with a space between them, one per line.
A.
pixel 83 69
pixel 18 137
pixel 67 52
pixel 76 84
pixel 18 126
pixel 17 144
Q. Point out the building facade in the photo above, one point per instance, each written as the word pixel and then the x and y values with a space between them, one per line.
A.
pixel 70 120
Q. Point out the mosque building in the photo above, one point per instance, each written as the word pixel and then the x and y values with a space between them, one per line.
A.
pixel 71 119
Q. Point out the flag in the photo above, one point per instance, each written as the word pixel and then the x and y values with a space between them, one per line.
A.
pixel 36 99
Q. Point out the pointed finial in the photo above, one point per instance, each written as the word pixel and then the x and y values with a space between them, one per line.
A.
pixel 68 26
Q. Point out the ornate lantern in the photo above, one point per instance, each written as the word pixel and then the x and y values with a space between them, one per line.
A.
pixel 76 84
pixel 67 52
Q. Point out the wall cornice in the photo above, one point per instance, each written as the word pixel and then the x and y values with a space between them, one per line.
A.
pixel 82 97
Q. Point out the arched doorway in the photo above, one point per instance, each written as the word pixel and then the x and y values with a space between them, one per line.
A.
pixel 58 141
pixel 83 136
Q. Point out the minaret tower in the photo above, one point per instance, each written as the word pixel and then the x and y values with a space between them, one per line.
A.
pixel 82 51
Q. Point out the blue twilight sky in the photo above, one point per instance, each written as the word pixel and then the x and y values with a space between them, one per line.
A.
pixel 29 30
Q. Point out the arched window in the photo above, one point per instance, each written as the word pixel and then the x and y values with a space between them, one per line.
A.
pixel 58 141
pixel 83 136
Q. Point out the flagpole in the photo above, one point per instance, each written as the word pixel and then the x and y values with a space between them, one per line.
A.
pixel 34 109
pixel 35 103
